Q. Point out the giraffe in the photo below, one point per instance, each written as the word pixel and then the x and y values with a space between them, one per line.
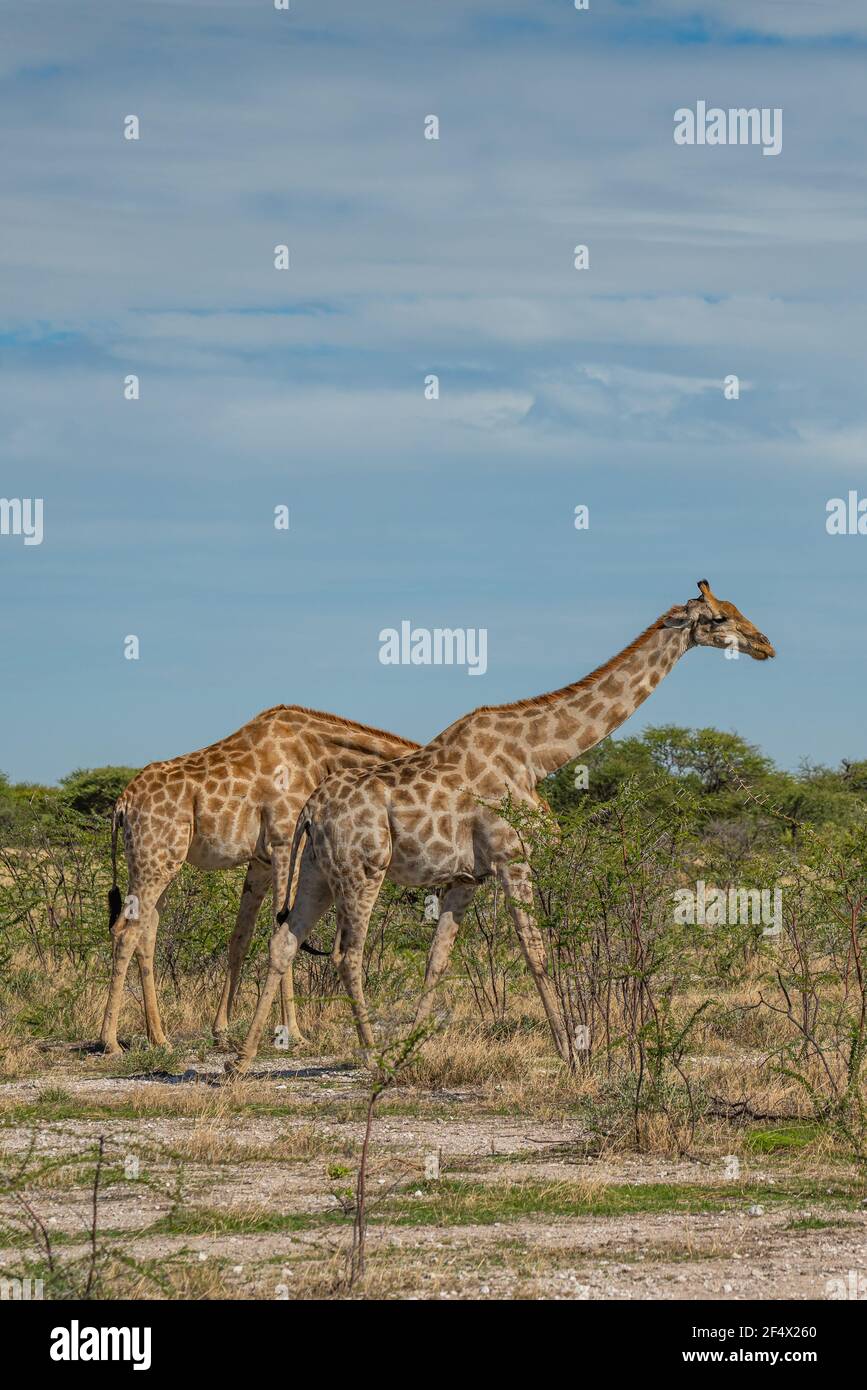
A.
pixel 427 818
pixel 231 803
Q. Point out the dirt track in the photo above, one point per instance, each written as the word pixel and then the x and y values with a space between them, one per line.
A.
pixel 519 1209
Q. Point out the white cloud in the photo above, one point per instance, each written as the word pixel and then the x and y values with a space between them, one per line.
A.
pixel 793 19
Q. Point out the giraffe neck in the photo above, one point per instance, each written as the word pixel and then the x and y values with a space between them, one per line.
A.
pixel 552 729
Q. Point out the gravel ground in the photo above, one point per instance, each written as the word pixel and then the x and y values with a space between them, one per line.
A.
pixel 289 1165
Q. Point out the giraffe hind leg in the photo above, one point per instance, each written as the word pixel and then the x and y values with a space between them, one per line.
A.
pixel 135 934
pixel 155 851
pixel 288 1016
pixel 354 906
pixel 144 954
pixel 312 900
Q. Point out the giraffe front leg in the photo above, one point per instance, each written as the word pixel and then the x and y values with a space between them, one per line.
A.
pixel 253 893
pixel 454 904
pixel 519 891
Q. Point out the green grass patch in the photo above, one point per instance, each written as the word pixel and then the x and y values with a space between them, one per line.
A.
pixel 142 1060
pixel 818 1223
pixel 20 1238
pixel 51 1096
pixel 79 1109
pixel 192 1221
pixel 76 1173
pixel 785 1139
pixel 461 1203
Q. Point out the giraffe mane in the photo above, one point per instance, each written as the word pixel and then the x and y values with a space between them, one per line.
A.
pixel 611 665
pixel 336 719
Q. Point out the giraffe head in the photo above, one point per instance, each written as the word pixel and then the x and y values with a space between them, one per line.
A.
pixel 715 623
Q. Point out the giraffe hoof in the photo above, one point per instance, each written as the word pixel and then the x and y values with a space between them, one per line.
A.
pixel 236 1066
pixel 112 1049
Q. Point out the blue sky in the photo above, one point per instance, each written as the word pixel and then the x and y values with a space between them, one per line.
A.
pixel 411 257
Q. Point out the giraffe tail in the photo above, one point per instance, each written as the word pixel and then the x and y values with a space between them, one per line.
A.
pixel 115 901
pixel 301 829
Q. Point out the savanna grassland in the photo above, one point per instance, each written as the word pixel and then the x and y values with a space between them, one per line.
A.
pixel 708 1142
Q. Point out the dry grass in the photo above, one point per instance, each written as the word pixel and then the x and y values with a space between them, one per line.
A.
pixel 733 1061
pixel 467 1054
pixel 209 1144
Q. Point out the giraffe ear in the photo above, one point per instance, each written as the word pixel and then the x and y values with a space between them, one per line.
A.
pixel 676 617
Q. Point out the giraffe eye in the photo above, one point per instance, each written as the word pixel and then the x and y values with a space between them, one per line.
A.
pixel 719 620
